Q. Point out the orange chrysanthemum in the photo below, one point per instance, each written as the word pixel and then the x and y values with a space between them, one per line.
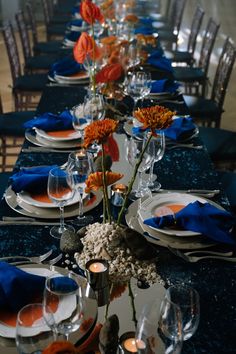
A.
pixel 86 46
pixel 90 12
pixel 108 73
pixel 60 347
pixel 99 131
pixel 110 40
pixel 155 117
pixel 95 181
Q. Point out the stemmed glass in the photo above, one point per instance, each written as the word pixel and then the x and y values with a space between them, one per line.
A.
pixel 63 304
pixel 60 191
pixel 157 148
pixel 94 107
pixel 134 151
pixel 150 337
pixel 32 332
pixel 187 299
pixel 79 121
pixel 80 166
pixel 135 85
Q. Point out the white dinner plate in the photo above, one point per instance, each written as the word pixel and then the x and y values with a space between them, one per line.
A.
pixel 30 199
pixel 58 136
pixel 76 77
pixel 49 213
pixel 39 141
pixel 168 203
pixel 163 240
pixel 65 307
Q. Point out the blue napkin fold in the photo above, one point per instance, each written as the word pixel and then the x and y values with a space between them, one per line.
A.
pixel 77 22
pixel 180 128
pixel 160 62
pixel 146 21
pixel 144 30
pixel 199 217
pixel 165 85
pixel 63 285
pixel 73 36
pixel 65 67
pixel 18 288
pixel 51 122
pixel 31 179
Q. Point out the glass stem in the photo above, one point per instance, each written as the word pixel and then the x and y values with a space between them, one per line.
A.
pixel 62 224
pixel 140 175
pixel 81 206
pixel 150 180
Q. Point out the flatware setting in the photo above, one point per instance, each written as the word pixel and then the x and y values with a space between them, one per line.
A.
pixel 208 193
pixel 189 256
pixel 44 149
pixel 42 259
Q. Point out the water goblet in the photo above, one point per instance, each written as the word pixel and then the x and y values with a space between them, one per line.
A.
pixel 80 166
pixel 32 332
pixel 79 121
pixel 157 148
pixel 94 107
pixel 134 153
pixel 63 304
pixel 187 299
pixel 135 86
pixel 60 191
pixel 150 339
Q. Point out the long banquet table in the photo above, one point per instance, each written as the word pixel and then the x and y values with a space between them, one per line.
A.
pixel 179 169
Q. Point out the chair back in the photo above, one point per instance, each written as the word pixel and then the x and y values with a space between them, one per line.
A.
pixel 195 28
pixel 1 107
pixel 24 35
pixel 12 51
pixel 32 22
pixel 46 12
pixel 177 15
pixel 50 8
pixel 223 72
pixel 208 44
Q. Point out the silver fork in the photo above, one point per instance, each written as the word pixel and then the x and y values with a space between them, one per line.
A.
pixel 37 259
pixel 210 255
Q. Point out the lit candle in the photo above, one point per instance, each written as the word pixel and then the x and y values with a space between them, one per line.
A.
pixel 97 267
pixel 80 153
pixel 119 188
pixel 118 193
pixel 130 345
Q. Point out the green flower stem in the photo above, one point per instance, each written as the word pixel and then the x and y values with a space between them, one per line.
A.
pixel 131 295
pixel 93 60
pixel 132 180
pixel 107 204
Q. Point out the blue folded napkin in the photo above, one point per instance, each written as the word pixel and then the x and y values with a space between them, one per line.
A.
pixel 73 36
pixel 165 85
pixel 199 217
pixel 18 288
pixel 160 62
pixel 51 122
pixel 147 21
pixel 77 22
pixel 180 127
pixel 65 67
pixel 31 179
pixel 63 285
pixel 144 30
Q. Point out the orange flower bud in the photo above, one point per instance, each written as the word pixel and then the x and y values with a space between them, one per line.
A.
pixel 86 46
pixel 109 73
pixel 90 12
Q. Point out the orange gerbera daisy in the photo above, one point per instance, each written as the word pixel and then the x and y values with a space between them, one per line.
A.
pixel 131 18
pixel 155 117
pixel 90 12
pixel 99 131
pixel 95 181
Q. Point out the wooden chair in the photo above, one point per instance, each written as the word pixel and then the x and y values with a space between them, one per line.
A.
pixel 26 88
pixel 209 111
pixel 187 57
pixel 12 133
pixel 50 47
pixel 32 63
pixel 52 30
pixel 168 35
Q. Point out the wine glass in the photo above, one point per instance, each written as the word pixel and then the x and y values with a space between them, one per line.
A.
pixel 63 304
pixel 60 191
pixel 135 150
pixel 157 148
pixel 80 166
pixel 135 85
pixel 79 121
pixel 187 299
pixel 94 107
pixel 150 338
pixel 32 332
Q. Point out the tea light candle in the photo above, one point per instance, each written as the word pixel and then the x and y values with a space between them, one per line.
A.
pixel 118 193
pixel 81 153
pixel 128 343
pixel 97 267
